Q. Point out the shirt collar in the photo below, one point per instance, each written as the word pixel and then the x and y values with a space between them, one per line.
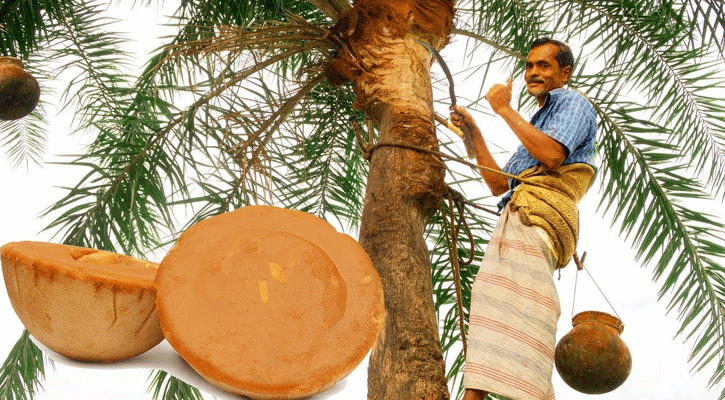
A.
pixel 553 95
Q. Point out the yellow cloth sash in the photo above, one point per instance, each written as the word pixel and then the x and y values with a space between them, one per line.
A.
pixel 548 199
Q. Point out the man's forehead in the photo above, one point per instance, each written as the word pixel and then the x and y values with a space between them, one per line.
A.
pixel 544 52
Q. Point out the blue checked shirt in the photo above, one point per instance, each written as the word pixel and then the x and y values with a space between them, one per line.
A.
pixel 569 118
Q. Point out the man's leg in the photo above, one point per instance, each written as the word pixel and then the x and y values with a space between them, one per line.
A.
pixel 474 394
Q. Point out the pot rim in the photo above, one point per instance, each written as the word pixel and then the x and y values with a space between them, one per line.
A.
pixel 11 60
pixel 598 316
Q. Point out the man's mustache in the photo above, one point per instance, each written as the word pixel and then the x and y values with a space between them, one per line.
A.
pixel 534 80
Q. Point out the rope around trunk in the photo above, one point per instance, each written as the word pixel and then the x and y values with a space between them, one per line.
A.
pixel 456 201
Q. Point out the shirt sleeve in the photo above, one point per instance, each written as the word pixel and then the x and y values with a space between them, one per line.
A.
pixel 570 121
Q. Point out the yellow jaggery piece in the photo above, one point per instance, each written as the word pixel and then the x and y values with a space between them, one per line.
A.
pixel 267 303
pixel 277 272
pixel 264 292
pixel 85 304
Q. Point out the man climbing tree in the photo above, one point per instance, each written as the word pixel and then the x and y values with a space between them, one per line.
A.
pixel 514 303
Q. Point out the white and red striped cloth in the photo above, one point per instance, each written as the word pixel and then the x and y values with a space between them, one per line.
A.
pixel 514 313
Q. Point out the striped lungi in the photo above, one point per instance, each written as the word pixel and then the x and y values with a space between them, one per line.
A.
pixel 514 312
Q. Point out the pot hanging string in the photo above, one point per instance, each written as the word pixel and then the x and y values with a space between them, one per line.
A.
pixel 580 266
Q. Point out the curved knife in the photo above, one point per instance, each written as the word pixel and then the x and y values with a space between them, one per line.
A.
pixel 467 141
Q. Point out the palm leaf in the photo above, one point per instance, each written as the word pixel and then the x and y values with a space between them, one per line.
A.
pixel 22 371
pixel 166 387
pixel 683 243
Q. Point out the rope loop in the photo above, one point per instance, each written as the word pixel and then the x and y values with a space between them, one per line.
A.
pixel 451 236
pixel 366 153
pixel 456 199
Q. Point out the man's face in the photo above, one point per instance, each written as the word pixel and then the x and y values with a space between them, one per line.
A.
pixel 543 73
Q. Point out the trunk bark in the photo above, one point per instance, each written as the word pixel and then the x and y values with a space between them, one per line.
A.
pixel 391 73
pixel 403 191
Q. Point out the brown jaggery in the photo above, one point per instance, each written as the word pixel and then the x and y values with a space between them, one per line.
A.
pixel 269 303
pixel 85 304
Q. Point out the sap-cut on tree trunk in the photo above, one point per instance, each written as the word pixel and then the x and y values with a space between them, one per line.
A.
pixel 391 73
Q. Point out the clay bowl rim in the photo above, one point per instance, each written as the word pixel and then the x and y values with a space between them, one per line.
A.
pixel 11 60
pixel 598 316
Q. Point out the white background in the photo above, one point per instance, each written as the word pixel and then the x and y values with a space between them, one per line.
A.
pixel 660 370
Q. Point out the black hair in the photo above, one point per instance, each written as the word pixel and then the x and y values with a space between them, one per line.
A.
pixel 564 56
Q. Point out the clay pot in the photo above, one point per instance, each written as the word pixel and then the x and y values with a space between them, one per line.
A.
pixel 592 358
pixel 19 91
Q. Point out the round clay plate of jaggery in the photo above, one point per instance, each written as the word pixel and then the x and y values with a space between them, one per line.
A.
pixel 86 304
pixel 269 303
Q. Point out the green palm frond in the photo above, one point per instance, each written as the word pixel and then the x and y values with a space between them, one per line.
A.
pixel 24 140
pixel 508 24
pixel 134 160
pixel 710 26
pixel 202 22
pixel 240 121
pixel 646 51
pixel 22 371
pixel 26 24
pixel 322 171
pixel 166 387
pixel 120 204
pixel 643 185
pixel 82 43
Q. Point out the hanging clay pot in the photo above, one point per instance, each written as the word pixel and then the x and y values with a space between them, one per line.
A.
pixel 592 358
pixel 19 91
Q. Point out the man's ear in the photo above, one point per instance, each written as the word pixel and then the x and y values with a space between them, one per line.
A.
pixel 567 73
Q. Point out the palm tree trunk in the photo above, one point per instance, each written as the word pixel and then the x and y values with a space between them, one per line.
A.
pixel 391 73
pixel 403 190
